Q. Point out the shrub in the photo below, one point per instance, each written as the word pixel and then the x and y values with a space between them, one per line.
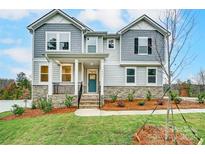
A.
pixel 69 101
pixel 114 96
pixel 148 95
pixel 177 100
pixel 130 96
pixel 45 105
pixel 33 106
pixel 201 98
pixel 142 103
pixel 173 95
pixel 17 110
pixel 120 104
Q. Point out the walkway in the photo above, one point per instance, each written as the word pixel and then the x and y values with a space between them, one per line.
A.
pixel 97 112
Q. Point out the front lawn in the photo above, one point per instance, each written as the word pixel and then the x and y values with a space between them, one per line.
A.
pixel 70 129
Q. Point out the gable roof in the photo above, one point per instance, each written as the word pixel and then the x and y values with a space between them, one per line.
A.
pixel 50 14
pixel 147 19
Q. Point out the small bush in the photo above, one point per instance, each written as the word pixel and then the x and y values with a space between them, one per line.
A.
pixel 45 105
pixel 17 110
pixel 177 100
pixel 201 98
pixel 149 95
pixel 33 106
pixel 141 103
pixel 114 96
pixel 120 104
pixel 130 96
pixel 173 95
pixel 69 101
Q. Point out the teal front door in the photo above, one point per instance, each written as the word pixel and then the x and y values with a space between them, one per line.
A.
pixel 91 82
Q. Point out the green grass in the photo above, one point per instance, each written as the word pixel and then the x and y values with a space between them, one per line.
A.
pixel 71 129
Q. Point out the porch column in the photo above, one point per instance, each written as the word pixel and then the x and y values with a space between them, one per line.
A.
pixel 76 76
pixel 50 77
pixel 102 76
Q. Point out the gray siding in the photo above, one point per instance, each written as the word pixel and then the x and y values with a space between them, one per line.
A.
pixel 114 54
pixel 40 35
pixel 127 46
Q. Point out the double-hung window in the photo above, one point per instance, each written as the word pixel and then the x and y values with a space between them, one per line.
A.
pixel 58 41
pixel 152 75
pixel 66 74
pixel 43 73
pixel 91 44
pixel 111 43
pixel 130 75
pixel 143 46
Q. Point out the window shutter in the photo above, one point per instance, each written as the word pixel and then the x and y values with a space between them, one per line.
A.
pixel 149 46
pixel 136 45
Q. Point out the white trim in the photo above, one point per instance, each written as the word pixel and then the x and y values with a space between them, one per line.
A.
pixel 39 75
pixel 40 59
pixel 152 84
pixel 120 46
pixel 140 63
pixel 113 43
pixel 76 76
pixel 102 72
pixel 130 84
pixel 61 73
pixel 96 44
pixel 96 71
pixel 50 78
pixel 82 41
pixel 82 72
pixel 58 40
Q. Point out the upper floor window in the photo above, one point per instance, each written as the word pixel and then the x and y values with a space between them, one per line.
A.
pixel 152 75
pixel 143 46
pixel 43 73
pixel 111 43
pixel 130 75
pixel 58 41
pixel 91 44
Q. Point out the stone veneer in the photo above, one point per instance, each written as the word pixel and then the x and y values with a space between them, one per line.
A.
pixel 140 91
pixel 39 91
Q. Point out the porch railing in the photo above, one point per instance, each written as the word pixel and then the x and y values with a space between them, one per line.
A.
pixel 80 94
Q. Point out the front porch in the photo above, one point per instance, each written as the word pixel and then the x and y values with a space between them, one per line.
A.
pixel 87 69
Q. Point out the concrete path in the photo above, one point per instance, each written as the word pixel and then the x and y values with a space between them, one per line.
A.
pixel 97 112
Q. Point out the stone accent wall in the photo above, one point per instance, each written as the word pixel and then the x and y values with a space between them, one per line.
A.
pixel 64 89
pixel 140 91
pixel 39 91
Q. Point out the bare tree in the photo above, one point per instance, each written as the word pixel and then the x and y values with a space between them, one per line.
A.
pixel 179 25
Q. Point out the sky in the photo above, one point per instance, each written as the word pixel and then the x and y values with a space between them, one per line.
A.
pixel 16 41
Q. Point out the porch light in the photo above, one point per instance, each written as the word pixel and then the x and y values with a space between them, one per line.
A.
pixel 91 64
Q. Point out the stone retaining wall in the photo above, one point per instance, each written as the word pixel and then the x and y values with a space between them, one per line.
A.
pixel 140 91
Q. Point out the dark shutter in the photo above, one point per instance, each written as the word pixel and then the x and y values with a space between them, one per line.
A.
pixel 136 45
pixel 149 46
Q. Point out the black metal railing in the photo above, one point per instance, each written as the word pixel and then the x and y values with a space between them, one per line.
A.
pixel 80 93
pixel 99 96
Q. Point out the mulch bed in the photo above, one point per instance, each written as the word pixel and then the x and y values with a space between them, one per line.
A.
pixel 149 105
pixel 152 135
pixel 29 113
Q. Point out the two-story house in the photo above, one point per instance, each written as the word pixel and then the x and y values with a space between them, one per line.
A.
pixel 67 53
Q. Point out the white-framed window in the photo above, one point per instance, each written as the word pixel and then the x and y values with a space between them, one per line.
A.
pixel 43 73
pixel 151 75
pixel 66 73
pixel 111 43
pixel 143 46
pixel 58 41
pixel 130 74
pixel 91 44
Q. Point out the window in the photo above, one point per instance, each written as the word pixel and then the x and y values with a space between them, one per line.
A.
pixel 111 43
pixel 66 73
pixel 152 75
pixel 44 73
pixel 58 41
pixel 143 45
pixel 130 75
pixel 92 44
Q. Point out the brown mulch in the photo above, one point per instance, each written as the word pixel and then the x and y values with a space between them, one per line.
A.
pixel 152 135
pixel 149 105
pixel 29 113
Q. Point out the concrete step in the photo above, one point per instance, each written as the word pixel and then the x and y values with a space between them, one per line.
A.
pixel 88 106
pixel 89 102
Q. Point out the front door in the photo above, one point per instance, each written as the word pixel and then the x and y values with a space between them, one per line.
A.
pixel 92 82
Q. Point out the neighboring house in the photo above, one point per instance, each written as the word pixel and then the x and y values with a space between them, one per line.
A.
pixel 66 52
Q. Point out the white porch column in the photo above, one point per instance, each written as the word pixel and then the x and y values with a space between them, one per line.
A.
pixel 76 76
pixel 82 72
pixel 50 78
pixel 102 76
